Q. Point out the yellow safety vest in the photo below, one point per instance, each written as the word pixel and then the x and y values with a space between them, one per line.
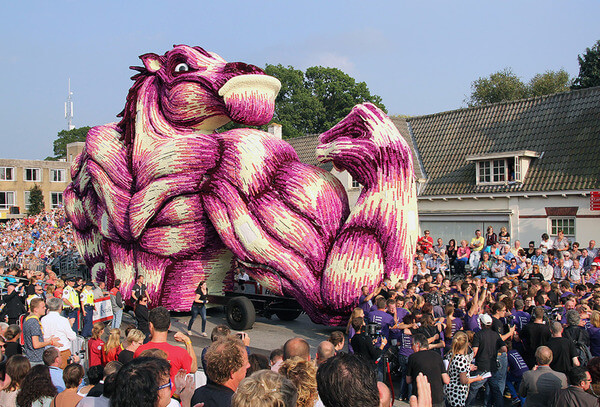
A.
pixel 87 298
pixel 31 297
pixel 71 295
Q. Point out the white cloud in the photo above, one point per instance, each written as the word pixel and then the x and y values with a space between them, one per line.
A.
pixel 343 50
pixel 332 60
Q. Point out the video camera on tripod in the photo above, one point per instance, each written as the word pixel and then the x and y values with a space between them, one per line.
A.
pixel 373 330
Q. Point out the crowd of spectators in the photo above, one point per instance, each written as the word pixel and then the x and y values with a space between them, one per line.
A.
pixel 38 243
pixel 484 321
pixel 489 320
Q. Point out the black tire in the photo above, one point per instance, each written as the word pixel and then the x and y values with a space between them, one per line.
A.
pixel 288 315
pixel 240 313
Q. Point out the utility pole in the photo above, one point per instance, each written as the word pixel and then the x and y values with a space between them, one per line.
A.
pixel 69 109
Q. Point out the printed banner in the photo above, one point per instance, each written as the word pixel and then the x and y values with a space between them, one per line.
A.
pixel 103 311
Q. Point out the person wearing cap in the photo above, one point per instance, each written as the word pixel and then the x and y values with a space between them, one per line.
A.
pixel 71 300
pixel 87 305
pixel 487 344
pixel 568 259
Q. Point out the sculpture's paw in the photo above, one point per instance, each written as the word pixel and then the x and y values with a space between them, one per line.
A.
pixel 362 143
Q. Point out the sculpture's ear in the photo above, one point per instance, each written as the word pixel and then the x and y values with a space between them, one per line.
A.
pixel 152 62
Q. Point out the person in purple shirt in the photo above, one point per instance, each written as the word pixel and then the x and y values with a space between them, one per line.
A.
pixel 521 318
pixel 401 312
pixel 474 309
pixel 516 368
pixel 364 301
pixel 594 332
pixel 404 351
pixel 380 316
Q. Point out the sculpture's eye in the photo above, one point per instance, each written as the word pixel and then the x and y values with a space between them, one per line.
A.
pixel 182 67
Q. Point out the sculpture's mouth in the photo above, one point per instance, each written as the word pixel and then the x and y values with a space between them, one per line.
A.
pixel 250 99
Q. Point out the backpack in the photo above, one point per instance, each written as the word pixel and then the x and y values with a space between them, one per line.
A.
pixel 583 351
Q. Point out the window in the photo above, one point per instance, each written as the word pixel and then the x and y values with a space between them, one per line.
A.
pixel 355 184
pixel 517 170
pixel 503 167
pixel 7 174
pixel 499 171
pixel 7 199
pixel 492 171
pixel 485 172
pixel 56 199
pixel 57 175
pixel 33 174
pixel 26 198
pixel 566 224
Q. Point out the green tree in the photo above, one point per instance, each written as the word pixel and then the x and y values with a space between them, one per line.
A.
pixel 589 68
pixel 549 82
pixel 312 102
pixel 501 86
pixel 65 137
pixel 36 201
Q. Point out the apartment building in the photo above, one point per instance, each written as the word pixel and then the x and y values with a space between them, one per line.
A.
pixel 17 177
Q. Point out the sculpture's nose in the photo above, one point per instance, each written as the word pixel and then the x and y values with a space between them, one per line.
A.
pixel 242 68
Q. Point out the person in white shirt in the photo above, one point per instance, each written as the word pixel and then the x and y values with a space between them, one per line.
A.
pixel 546 269
pixel 546 243
pixel 53 324
pixel 592 249
pixel 576 272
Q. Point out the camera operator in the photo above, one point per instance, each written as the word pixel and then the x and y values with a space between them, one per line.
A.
pixel 363 344
pixel 498 315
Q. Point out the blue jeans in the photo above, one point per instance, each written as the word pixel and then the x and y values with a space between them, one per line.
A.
pixel 473 390
pixel 88 321
pixel 198 309
pixel 513 383
pixel 74 313
pixel 117 317
pixel 497 383
pixel 405 388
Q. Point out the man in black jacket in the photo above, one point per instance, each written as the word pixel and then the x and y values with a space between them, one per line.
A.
pixel 576 394
pixel 362 344
pixel 13 304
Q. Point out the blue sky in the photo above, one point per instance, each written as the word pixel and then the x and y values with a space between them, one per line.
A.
pixel 419 56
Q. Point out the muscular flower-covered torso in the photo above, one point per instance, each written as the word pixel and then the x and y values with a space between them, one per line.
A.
pixel 160 194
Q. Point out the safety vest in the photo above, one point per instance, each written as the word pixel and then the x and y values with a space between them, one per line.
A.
pixel 31 297
pixel 87 298
pixel 70 294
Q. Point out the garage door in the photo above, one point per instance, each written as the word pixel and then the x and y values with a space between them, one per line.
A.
pixel 458 230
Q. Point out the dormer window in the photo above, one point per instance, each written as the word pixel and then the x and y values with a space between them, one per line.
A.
pixel 502 168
